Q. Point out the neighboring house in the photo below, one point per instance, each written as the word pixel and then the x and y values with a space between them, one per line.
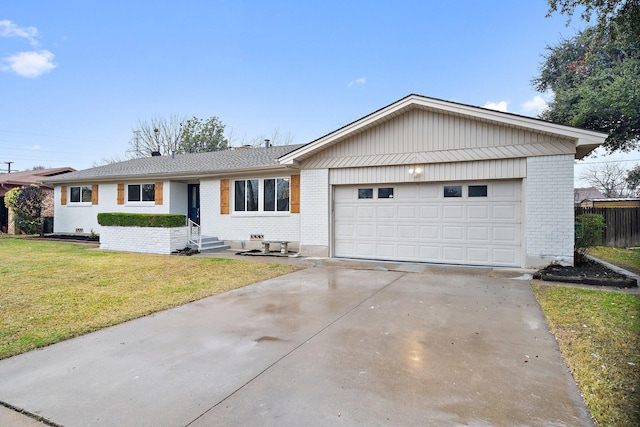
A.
pixel 12 180
pixel 619 202
pixel 580 194
pixel 421 180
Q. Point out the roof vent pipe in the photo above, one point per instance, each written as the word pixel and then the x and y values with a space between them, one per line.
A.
pixel 267 143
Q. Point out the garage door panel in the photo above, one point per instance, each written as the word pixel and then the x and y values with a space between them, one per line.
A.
pixel 365 212
pixel 478 255
pixel 478 212
pixel 478 234
pixel 407 212
pixel 452 232
pixel 505 212
pixel 420 224
pixel 429 232
pixel 407 231
pixel 388 231
pixel 452 212
pixel 429 212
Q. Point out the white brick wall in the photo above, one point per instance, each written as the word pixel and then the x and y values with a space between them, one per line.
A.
pixel 236 228
pixel 549 229
pixel 151 240
pixel 315 212
pixel 73 216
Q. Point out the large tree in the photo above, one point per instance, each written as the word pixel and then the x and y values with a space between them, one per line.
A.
pixel 177 135
pixel 594 75
pixel 610 178
pixel 201 136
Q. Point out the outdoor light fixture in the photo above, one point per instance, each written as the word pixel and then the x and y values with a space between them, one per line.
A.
pixel 415 170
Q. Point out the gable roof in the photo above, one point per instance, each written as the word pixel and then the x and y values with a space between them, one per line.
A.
pixel 585 140
pixel 184 165
pixel 580 194
pixel 31 177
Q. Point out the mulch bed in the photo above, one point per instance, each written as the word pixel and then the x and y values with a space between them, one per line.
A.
pixel 589 273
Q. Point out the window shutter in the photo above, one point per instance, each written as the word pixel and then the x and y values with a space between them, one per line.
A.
pixel 295 194
pixel 63 195
pixel 158 195
pixel 121 194
pixel 94 194
pixel 224 197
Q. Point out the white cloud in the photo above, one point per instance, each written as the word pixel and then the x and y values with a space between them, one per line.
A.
pixel 9 29
pixel 30 64
pixel 358 81
pixel 536 105
pixel 35 147
pixel 499 106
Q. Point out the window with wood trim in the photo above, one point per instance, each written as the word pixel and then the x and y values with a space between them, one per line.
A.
pixel 265 195
pixel 141 193
pixel 80 194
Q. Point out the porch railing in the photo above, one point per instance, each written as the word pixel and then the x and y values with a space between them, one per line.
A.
pixel 195 235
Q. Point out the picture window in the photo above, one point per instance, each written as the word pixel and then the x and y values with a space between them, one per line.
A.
pixel 261 195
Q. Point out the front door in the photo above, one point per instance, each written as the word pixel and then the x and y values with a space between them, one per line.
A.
pixel 194 203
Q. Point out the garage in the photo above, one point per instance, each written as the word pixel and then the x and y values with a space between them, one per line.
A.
pixel 472 223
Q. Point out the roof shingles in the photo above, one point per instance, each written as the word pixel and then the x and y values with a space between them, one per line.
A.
pixel 184 164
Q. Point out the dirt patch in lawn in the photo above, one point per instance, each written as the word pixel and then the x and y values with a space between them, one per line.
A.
pixel 588 272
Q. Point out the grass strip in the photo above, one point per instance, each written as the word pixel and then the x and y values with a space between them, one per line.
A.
pixel 628 259
pixel 52 291
pixel 599 336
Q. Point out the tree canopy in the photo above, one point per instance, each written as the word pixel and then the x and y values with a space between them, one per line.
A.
pixel 26 203
pixel 177 135
pixel 595 75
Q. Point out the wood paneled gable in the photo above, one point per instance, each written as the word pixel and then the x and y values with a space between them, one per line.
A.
pixel 422 136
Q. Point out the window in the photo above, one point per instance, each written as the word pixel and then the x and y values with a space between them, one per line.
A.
pixel 453 191
pixel 246 195
pixel 141 193
pixel 365 193
pixel 276 195
pixel 385 193
pixel 80 194
pixel 477 191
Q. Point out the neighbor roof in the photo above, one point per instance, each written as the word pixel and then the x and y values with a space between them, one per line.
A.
pixel 585 140
pixel 31 176
pixel 184 165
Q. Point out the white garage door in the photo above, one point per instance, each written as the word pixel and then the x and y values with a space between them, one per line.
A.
pixel 476 223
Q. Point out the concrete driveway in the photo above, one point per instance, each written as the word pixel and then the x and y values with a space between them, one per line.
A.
pixel 322 346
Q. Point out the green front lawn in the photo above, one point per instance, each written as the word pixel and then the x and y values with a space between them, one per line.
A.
pixel 52 291
pixel 599 335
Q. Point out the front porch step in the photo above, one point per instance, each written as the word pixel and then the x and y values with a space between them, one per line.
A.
pixel 212 244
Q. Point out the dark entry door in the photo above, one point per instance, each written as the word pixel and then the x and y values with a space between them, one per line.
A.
pixel 194 203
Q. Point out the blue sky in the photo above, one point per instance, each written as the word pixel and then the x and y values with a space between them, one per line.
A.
pixel 76 77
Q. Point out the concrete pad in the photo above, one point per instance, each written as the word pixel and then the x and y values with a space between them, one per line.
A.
pixel 316 347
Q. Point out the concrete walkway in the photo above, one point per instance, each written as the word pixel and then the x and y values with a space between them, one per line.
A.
pixel 321 346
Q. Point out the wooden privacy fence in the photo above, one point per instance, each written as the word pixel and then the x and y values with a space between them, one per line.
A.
pixel 622 225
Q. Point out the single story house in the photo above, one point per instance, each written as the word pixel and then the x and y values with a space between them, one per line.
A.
pixel 9 181
pixel 421 179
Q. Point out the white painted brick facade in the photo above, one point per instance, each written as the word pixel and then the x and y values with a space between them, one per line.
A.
pixel 151 240
pixel 235 228
pixel 315 212
pixel 549 230
pixel 84 216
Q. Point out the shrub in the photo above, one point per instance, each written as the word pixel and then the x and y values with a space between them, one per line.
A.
pixel 26 204
pixel 589 229
pixel 123 219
